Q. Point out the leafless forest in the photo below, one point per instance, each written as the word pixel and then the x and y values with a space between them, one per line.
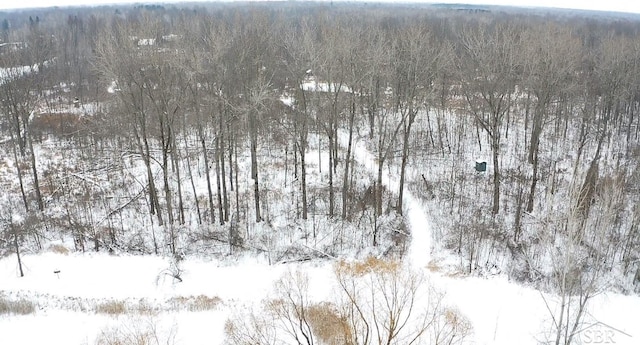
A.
pixel 232 128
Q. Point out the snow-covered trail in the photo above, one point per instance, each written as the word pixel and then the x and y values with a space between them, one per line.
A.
pixel 420 246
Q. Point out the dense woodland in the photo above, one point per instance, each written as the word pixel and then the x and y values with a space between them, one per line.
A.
pixel 233 128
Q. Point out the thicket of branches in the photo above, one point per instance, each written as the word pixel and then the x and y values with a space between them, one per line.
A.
pixel 191 113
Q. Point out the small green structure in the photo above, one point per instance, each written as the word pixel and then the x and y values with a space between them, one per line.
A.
pixel 481 166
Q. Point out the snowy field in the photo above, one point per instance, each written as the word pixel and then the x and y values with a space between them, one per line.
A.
pixel 501 312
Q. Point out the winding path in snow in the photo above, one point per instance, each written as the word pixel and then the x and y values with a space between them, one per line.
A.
pixel 420 245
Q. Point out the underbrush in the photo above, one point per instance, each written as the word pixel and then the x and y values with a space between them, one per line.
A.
pixel 137 331
pixel 112 308
pixel 94 203
pixel 194 303
pixel 17 307
pixel 117 308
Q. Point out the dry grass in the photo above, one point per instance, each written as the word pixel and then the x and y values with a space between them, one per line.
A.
pixel 328 325
pixel 197 303
pixel 19 307
pixel 112 308
pixel 448 271
pixel 132 308
pixel 433 266
pixel 369 265
pixel 203 302
pixel 59 249
pixel 456 274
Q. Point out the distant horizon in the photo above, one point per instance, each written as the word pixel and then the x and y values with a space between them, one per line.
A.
pixel 604 6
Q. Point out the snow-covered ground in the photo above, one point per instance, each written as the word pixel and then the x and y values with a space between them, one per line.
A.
pixel 500 311
pixel 66 301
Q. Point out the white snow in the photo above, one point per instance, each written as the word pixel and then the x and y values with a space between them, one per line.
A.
pixel 11 73
pixel 146 41
pixel 312 84
pixel 287 100
pixel 113 87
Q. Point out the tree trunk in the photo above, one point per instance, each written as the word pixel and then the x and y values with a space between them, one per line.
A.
pixel 347 161
pixel 303 178
pixel 405 157
pixel 17 248
pixel 225 197
pixel 176 165
pixel 235 165
pixel 253 137
pixel 378 189
pixel 143 145
pixel 165 140
pixel 193 185
pixel 218 158
pixel 231 166
pixel 34 170
pixel 19 171
pixel 207 168
pixel 331 192
pixel 518 214
pixel 534 181
pixel 302 145
pixel 536 131
pixel 496 173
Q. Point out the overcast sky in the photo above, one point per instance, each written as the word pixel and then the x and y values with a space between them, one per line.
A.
pixel 606 5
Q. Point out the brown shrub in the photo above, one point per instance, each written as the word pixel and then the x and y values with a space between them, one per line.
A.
pixel 369 265
pixel 328 325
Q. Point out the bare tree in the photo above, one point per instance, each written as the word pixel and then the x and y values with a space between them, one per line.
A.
pixel 292 306
pixel 121 61
pixel 489 64
pixel 22 91
pixel 419 60
pixel 552 54
pixel 585 253
pixel 253 70
pixel 301 48
pixel 383 304
pixel 380 302
pixel 13 230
